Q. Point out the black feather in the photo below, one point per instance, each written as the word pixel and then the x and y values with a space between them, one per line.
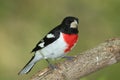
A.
pixel 27 64
pixel 64 27
pixel 47 41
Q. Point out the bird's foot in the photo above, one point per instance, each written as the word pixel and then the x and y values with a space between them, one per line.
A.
pixel 69 57
pixel 51 66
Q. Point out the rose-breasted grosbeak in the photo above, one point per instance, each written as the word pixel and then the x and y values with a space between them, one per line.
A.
pixel 56 43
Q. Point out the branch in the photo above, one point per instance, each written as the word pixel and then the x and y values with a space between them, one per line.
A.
pixel 85 63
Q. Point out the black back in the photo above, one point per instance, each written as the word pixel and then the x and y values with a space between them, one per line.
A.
pixel 64 27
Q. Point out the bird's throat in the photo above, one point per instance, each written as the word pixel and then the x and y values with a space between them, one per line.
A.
pixel 71 40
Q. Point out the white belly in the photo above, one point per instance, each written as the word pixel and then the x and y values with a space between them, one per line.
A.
pixel 55 49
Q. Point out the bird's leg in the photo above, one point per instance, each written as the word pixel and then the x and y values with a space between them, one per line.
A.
pixel 69 57
pixel 50 65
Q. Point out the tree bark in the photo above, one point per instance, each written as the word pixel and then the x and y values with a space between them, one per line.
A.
pixel 85 63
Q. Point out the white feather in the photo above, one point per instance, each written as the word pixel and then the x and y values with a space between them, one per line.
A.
pixel 28 67
pixel 55 49
pixel 50 35
pixel 41 44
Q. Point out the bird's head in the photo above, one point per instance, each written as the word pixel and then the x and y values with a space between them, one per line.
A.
pixel 71 22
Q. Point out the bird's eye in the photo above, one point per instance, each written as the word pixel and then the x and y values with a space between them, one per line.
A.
pixel 68 22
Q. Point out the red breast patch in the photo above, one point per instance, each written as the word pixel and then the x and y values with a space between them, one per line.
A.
pixel 70 39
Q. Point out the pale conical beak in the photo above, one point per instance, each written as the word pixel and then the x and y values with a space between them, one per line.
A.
pixel 74 24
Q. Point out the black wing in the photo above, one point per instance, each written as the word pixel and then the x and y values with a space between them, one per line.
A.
pixel 48 40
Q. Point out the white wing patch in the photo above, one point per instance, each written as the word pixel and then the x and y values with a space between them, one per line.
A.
pixel 50 36
pixel 55 49
pixel 41 44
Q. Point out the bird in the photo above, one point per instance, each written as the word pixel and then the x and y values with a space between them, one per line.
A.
pixel 56 43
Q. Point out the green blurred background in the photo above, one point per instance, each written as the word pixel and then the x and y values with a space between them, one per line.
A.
pixel 24 22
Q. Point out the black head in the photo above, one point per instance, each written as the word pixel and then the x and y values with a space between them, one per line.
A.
pixel 70 24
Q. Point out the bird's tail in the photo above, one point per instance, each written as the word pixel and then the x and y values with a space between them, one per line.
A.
pixel 27 68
